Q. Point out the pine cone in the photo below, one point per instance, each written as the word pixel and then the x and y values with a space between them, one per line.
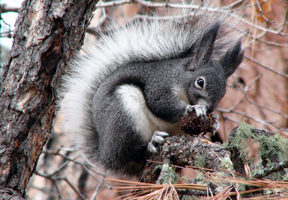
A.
pixel 194 125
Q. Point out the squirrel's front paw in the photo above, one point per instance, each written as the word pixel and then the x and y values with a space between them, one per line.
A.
pixel 157 138
pixel 216 124
pixel 198 109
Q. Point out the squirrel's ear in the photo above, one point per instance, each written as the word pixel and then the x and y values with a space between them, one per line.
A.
pixel 201 51
pixel 232 59
pixel 205 47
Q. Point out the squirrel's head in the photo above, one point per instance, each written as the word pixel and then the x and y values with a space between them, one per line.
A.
pixel 205 77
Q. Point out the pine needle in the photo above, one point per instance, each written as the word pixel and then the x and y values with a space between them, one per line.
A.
pixel 150 191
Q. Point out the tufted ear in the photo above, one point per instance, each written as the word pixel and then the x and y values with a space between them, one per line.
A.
pixel 206 45
pixel 232 59
pixel 202 49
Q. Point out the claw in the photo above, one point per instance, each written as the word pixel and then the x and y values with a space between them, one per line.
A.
pixel 157 138
pixel 216 124
pixel 198 109
pixel 151 148
pixel 214 116
pixel 189 109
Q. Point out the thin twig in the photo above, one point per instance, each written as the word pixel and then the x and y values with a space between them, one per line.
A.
pixel 262 12
pixel 73 188
pixel 275 168
pixel 58 178
pixel 97 189
pixel 193 7
pixel 266 67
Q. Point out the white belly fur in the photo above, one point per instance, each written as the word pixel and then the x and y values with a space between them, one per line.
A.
pixel 145 121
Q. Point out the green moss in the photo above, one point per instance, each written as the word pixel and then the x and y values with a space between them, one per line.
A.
pixel 200 162
pixel 275 144
pixel 271 147
pixel 285 177
pixel 227 163
pixel 239 141
pixel 168 175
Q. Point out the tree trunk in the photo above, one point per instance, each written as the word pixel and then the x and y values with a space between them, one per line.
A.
pixel 46 36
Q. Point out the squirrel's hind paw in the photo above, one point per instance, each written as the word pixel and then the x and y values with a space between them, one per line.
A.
pixel 157 138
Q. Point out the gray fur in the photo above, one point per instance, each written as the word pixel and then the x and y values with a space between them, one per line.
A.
pixel 141 79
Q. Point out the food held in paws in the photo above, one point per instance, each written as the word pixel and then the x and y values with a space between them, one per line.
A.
pixel 194 125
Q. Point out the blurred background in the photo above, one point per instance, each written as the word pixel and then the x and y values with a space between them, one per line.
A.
pixel 9 15
pixel 257 93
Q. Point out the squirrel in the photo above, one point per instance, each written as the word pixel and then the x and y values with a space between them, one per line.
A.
pixel 134 85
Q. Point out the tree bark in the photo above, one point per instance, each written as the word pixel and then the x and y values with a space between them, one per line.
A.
pixel 46 36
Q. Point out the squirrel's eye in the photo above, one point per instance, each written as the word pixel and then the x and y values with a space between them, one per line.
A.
pixel 200 83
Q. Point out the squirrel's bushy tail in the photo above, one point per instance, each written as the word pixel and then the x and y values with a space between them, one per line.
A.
pixel 141 40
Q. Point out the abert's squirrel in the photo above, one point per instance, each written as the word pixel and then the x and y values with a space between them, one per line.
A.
pixel 133 86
